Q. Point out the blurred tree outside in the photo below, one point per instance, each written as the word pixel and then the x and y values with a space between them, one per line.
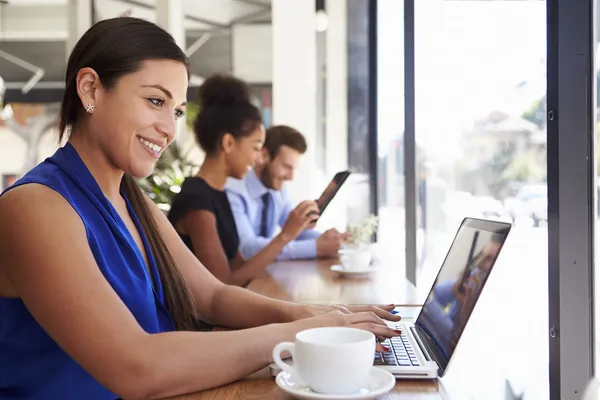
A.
pixel 536 113
pixel 511 164
pixel 527 166
pixel 493 171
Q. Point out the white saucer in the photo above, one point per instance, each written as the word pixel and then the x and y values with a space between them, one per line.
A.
pixel 380 382
pixel 356 273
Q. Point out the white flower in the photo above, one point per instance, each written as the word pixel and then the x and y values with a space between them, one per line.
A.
pixel 362 233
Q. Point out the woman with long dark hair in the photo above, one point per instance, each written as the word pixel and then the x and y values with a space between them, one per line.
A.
pixel 98 294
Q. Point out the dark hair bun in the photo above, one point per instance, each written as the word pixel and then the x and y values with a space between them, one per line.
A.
pixel 222 91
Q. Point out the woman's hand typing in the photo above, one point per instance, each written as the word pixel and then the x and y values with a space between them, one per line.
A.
pixel 367 320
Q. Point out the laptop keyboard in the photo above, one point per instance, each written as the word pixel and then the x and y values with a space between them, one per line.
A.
pixel 401 352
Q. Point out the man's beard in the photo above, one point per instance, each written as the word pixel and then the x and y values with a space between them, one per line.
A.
pixel 265 177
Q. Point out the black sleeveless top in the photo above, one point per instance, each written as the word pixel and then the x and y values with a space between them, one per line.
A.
pixel 196 194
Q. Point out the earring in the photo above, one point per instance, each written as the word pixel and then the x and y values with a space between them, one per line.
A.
pixel 89 108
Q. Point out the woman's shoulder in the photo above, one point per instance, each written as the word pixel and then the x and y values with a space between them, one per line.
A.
pixel 195 194
pixel 195 184
pixel 48 173
pixel 35 204
pixel 45 173
pixel 43 185
pixel 197 187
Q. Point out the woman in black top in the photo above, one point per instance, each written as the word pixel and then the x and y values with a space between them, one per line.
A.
pixel 230 131
pixel 197 194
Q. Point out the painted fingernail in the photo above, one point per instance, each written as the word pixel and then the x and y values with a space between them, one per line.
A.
pixel 395 312
pixel 385 348
pixel 397 331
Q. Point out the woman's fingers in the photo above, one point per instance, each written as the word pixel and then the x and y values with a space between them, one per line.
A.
pixel 343 309
pixel 381 348
pixel 366 316
pixel 371 322
pixel 388 307
pixel 367 320
pixel 381 311
pixel 385 314
pixel 378 330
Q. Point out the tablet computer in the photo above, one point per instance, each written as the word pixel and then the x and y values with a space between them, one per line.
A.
pixel 331 190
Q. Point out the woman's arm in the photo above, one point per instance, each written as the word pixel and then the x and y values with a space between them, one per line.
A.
pixel 201 226
pixel 47 259
pixel 232 306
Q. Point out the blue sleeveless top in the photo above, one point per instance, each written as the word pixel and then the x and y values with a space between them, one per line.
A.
pixel 32 365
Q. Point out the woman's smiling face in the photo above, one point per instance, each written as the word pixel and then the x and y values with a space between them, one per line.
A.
pixel 136 120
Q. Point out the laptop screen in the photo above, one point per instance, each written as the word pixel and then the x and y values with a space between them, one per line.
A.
pixel 458 285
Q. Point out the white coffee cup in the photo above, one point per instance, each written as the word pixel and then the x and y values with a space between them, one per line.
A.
pixel 332 360
pixel 356 259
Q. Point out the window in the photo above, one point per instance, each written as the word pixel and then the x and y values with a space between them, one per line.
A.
pixel 480 81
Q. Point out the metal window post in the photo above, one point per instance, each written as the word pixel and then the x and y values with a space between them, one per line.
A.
pixel 571 195
pixel 410 144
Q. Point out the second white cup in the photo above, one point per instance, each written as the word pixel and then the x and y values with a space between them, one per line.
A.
pixel 356 259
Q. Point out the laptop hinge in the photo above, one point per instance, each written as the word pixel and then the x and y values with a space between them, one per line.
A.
pixel 422 345
pixel 425 343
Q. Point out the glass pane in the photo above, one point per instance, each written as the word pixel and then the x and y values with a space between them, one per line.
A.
pixel 358 190
pixel 481 152
pixel 597 205
pixel 390 126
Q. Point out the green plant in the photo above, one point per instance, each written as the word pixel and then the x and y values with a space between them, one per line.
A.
pixel 525 166
pixel 536 113
pixel 191 111
pixel 169 173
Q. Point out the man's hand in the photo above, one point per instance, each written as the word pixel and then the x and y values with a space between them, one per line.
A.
pixel 346 237
pixel 300 219
pixel 329 243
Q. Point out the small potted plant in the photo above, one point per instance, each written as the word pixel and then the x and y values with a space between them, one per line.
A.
pixel 357 254
pixel 359 235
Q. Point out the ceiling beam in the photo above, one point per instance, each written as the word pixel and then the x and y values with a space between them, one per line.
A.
pixel 189 17
pixel 244 19
pixel 255 3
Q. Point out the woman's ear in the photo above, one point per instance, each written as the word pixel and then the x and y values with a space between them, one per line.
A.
pixel 88 85
pixel 227 143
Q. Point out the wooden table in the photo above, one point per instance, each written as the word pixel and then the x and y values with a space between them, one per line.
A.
pixel 314 282
pixel 262 386
pixel 478 369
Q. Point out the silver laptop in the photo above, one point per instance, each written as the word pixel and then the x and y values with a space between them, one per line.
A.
pixel 425 348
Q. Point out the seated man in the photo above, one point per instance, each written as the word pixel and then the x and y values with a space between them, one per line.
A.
pixel 260 202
